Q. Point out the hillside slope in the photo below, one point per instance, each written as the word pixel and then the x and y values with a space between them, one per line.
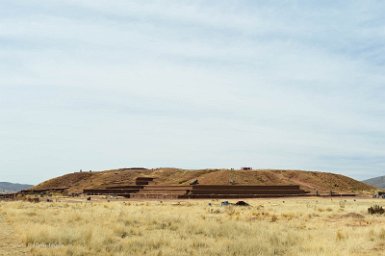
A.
pixel 308 180
pixel 378 182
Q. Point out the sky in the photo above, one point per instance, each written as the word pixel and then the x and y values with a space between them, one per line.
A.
pixel 97 84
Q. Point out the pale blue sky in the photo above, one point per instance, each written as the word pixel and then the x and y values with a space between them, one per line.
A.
pixel 91 84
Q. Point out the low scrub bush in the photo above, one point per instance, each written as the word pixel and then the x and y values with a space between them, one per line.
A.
pixel 376 209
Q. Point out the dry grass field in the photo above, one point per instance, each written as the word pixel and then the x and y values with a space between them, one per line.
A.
pixel 296 226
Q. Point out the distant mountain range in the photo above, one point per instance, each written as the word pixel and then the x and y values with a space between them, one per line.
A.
pixel 7 187
pixel 378 182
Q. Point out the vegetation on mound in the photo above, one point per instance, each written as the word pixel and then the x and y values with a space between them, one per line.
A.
pixel 311 181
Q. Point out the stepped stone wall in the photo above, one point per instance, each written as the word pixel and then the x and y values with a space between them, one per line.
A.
pixel 144 190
